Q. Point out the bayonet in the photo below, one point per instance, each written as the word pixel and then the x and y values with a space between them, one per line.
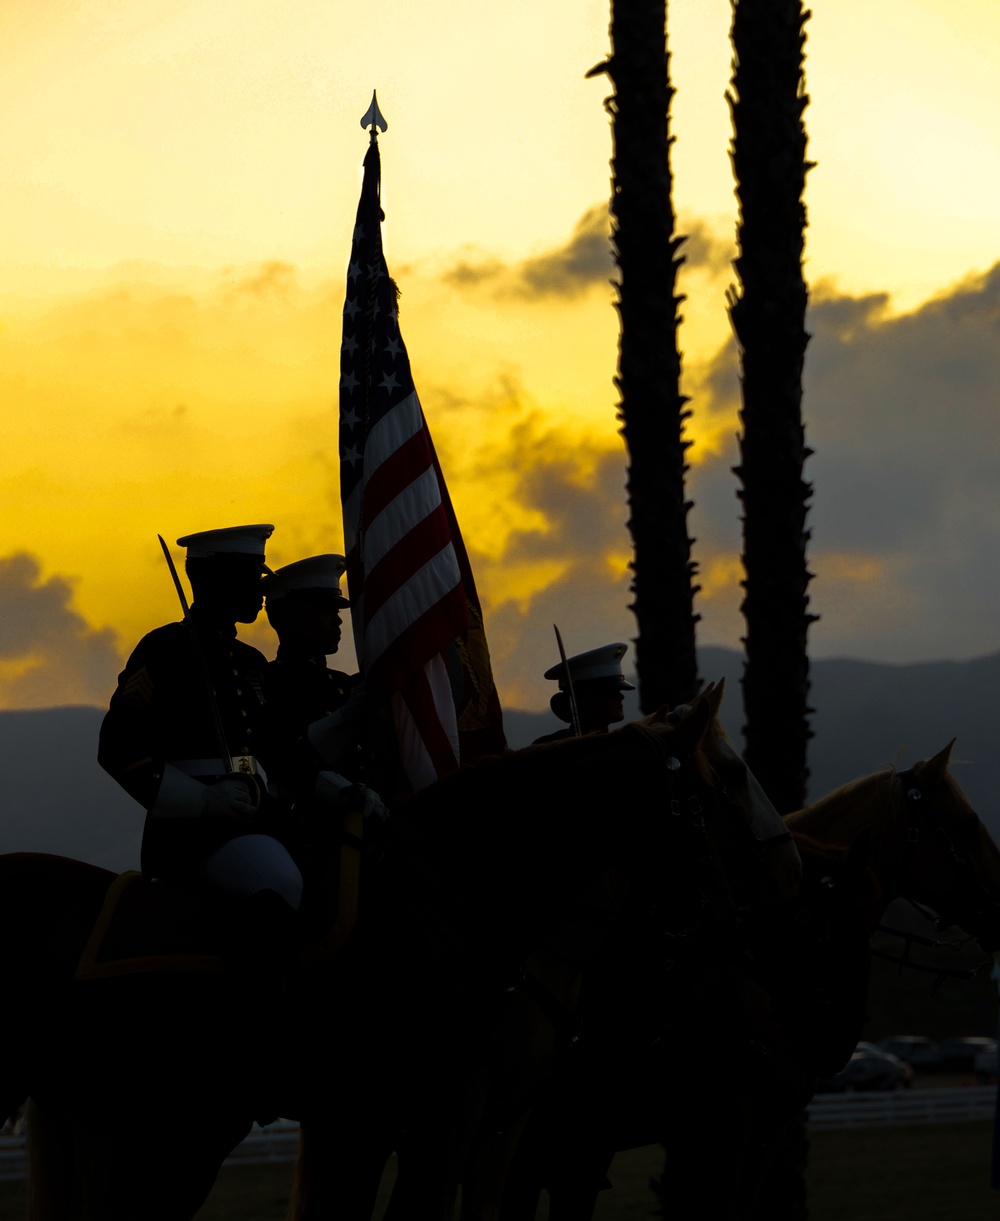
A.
pixel 573 710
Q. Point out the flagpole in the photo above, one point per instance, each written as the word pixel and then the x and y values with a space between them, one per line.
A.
pixel 375 119
pixel 414 601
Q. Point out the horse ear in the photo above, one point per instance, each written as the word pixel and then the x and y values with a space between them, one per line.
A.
pixel 713 693
pixel 660 717
pixel 694 726
pixel 935 770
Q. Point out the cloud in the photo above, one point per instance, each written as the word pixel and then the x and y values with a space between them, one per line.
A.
pixel 583 261
pixel 48 652
pixel 470 275
pixel 271 279
pixel 564 562
pixel 704 250
pixel 902 414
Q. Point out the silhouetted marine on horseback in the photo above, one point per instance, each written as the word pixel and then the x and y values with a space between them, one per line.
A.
pixel 319 709
pixel 321 779
pixel 189 735
pixel 596 682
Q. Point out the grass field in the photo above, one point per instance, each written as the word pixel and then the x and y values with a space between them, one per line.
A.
pixel 938 1173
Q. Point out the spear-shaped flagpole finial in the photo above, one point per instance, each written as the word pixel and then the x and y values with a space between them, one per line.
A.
pixel 375 119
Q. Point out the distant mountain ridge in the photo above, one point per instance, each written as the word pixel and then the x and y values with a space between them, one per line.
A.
pixel 868 716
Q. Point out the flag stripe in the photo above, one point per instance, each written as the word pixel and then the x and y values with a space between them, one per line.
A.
pixel 405 559
pixel 422 636
pixel 406 465
pixel 420 770
pixel 391 431
pixel 417 714
pixel 410 603
pixel 426 696
pixel 419 500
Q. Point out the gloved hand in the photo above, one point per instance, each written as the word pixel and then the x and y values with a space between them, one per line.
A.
pixel 184 796
pixel 342 794
pixel 233 797
pixel 370 802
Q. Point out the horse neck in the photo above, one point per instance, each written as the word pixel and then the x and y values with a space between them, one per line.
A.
pixel 857 822
pixel 558 960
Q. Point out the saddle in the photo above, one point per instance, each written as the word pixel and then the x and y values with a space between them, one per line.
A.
pixel 146 926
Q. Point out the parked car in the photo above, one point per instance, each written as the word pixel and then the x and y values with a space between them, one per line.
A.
pixel 869 1070
pixel 916 1049
pixel 960 1055
pixel 985 1065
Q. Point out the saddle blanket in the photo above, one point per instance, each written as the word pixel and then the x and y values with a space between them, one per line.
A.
pixel 146 926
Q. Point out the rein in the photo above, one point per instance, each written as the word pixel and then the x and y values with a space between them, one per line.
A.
pixel 932 943
pixel 967 884
pixel 684 804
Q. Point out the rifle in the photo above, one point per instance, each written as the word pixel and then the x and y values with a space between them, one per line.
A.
pixel 242 765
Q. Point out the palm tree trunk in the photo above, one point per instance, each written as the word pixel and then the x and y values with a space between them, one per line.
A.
pixel 768 314
pixel 651 407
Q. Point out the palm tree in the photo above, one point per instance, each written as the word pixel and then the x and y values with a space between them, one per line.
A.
pixel 767 101
pixel 651 407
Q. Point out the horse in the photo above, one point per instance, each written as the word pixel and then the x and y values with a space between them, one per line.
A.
pixel 616 838
pixel 147 1082
pixel 892 834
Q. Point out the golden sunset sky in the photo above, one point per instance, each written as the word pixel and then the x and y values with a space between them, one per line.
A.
pixel 178 184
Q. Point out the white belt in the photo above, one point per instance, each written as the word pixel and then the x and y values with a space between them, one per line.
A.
pixel 245 764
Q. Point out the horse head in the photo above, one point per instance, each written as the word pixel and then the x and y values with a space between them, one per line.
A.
pixel 944 856
pixel 770 871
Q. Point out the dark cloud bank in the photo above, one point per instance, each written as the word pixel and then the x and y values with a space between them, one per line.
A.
pixel 582 262
pixel 903 416
pixel 902 413
pixel 48 652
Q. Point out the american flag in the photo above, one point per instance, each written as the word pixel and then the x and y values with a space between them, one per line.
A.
pixel 416 616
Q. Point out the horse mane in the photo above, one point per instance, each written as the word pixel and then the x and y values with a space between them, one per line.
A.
pixel 532 797
pixel 828 827
pixel 497 777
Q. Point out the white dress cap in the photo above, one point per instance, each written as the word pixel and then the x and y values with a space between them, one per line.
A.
pixel 605 662
pixel 319 573
pixel 232 540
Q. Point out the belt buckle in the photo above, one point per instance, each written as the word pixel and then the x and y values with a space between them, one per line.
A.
pixel 245 765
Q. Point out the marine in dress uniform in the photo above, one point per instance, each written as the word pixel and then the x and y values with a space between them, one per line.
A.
pixel 598 683
pixel 320 709
pixel 161 736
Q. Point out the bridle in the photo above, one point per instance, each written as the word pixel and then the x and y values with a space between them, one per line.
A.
pixel 682 787
pixel 684 804
pixel 967 894
pixel 757 846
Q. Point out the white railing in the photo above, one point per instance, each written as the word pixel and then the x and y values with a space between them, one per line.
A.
pixel 903 1107
pixel 279 1141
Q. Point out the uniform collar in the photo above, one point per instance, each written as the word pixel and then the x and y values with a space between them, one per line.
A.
pixel 208 626
pixel 286 653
